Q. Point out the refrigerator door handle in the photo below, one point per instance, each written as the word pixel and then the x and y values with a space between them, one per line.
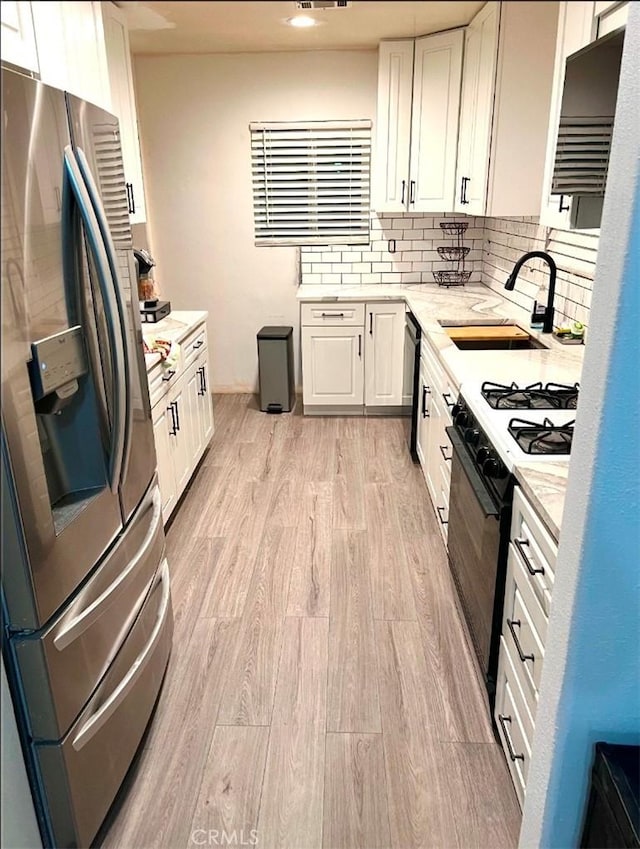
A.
pixel 118 358
pixel 113 266
pixel 73 629
pixel 95 722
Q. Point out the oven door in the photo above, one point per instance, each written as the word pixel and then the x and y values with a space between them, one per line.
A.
pixel 412 336
pixel 474 547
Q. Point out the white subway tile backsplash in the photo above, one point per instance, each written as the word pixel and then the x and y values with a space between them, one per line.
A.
pixel 399 265
pixel 371 278
pixel 381 266
pixel 390 277
pixel 331 279
pixel 351 279
pixel 361 267
pixel 413 234
pixel 371 256
pixel 412 256
pixel 410 277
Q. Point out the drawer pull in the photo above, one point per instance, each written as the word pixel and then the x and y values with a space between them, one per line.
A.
pixel 198 344
pixel 440 512
pixel 447 399
pixel 332 315
pixel 169 375
pixel 503 724
pixel 425 392
pixel 442 450
pixel 520 544
pixel 513 624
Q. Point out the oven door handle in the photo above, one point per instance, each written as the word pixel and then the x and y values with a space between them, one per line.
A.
pixel 485 500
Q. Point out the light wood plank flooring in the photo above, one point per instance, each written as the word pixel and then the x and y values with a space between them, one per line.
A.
pixel 320 691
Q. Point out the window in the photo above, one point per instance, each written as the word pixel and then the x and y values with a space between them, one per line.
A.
pixel 311 182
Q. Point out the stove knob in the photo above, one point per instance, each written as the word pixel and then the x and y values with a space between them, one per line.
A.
pixel 461 418
pixel 492 468
pixel 471 435
pixel 483 455
pixel 457 408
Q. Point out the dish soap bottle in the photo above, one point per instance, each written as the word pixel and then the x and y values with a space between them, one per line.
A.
pixel 539 311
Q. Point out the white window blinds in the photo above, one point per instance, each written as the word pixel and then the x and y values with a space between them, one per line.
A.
pixel 311 182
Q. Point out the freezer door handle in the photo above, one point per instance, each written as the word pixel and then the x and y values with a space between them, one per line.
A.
pixel 77 625
pixel 107 241
pixel 95 722
pixel 118 359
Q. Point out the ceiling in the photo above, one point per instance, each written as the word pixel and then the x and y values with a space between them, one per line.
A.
pixel 250 27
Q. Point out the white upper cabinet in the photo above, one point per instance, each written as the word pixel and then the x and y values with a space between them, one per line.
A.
pixel 506 93
pixel 417 123
pixel 71 49
pixel 393 136
pixel 124 106
pixel 18 37
pixel 434 121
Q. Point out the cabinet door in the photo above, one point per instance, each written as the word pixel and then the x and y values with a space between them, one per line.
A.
pixel 435 439
pixel 181 439
pixel 206 411
pixel 393 136
pixel 162 426
pixel 18 37
pixel 332 366
pixel 194 428
pixel 384 355
pixel 437 78
pixel 49 24
pixel 124 106
pixel 476 113
pixel 86 57
pixel 422 437
pixel 575 28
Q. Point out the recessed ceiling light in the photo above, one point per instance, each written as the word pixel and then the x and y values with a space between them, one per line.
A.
pixel 302 21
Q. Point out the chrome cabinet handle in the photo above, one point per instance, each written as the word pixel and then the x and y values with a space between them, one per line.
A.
pixel 442 450
pixel 198 344
pixel 440 512
pixel 503 724
pixel 519 544
pixel 332 315
pixel 169 375
pixel 513 624
pixel 447 399
pixel 202 389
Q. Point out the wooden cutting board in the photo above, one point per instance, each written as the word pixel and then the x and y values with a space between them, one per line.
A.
pixel 487 332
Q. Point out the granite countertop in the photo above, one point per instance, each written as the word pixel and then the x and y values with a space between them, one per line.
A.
pixel 544 485
pixel 175 327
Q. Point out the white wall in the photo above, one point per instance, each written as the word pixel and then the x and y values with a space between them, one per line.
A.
pixel 194 114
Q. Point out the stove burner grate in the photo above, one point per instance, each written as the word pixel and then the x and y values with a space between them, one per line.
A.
pixel 542 438
pixel 552 396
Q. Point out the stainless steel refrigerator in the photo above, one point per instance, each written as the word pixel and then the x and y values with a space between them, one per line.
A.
pixel 86 604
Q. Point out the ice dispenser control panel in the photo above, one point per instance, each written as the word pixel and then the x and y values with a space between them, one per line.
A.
pixel 57 360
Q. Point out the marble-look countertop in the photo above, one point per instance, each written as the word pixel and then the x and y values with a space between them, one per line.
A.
pixel 175 327
pixel 544 484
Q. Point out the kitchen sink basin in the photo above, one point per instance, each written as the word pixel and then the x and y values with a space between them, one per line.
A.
pixel 477 322
pixel 530 344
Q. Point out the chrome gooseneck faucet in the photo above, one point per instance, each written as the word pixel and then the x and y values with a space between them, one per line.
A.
pixel 511 282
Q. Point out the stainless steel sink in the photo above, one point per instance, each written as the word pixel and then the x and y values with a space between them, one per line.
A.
pixel 530 344
pixel 476 322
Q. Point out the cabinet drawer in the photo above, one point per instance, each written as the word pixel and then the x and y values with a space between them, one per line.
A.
pixel 536 547
pixel 514 723
pixel 191 346
pixel 521 631
pixel 332 314
pixel 160 379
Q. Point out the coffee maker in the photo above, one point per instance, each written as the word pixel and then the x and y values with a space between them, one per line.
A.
pixel 151 308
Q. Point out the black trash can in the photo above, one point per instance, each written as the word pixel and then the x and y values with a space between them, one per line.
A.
pixel 275 367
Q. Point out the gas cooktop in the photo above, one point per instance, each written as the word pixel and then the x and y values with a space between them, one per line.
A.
pixel 535 396
pixel 542 437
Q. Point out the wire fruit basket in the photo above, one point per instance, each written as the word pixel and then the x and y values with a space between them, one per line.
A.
pixel 455 254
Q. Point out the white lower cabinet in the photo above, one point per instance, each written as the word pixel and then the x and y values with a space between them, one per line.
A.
pixel 162 427
pixel 529 581
pixel 384 355
pixel 182 418
pixel 332 366
pixel 352 357
pixel 422 437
